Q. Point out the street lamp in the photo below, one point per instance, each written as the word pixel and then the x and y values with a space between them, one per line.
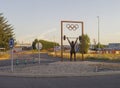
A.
pixel 98 33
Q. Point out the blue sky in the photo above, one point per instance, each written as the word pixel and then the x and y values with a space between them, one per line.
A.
pixel 41 18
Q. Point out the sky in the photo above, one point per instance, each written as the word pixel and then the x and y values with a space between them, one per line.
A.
pixel 41 18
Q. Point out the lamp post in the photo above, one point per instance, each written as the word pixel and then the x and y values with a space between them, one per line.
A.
pixel 98 33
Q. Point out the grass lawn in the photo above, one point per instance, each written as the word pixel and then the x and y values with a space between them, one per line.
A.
pixel 4 56
pixel 102 57
pixel 66 55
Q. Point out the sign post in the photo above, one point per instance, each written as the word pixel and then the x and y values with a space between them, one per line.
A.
pixel 11 45
pixel 39 47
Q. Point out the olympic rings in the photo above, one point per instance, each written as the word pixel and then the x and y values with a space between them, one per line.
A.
pixel 73 27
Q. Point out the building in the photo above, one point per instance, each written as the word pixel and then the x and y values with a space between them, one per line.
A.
pixel 112 48
pixel 21 47
pixel 115 46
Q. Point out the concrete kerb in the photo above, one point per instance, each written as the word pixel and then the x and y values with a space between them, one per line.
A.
pixel 12 74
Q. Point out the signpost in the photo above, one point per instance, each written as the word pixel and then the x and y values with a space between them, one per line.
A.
pixel 39 47
pixel 72 26
pixel 11 45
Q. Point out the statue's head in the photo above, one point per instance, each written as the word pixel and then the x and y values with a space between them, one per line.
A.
pixel 72 42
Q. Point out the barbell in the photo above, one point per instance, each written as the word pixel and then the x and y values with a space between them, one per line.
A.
pixel 64 37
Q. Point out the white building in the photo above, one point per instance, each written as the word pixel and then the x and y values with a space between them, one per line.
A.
pixel 21 47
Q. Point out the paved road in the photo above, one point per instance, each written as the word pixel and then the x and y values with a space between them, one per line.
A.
pixel 45 59
pixel 65 82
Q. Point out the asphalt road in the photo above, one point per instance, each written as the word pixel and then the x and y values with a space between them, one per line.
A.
pixel 45 59
pixel 64 82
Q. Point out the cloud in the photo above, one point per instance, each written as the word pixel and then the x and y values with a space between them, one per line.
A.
pixel 30 37
pixel 45 34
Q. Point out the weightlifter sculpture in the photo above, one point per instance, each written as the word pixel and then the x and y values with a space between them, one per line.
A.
pixel 72 51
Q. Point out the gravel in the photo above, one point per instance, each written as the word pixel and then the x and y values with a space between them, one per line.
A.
pixel 66 67
pixel 59 68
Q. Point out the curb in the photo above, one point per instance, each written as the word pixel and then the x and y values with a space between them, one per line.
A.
pixel 84 74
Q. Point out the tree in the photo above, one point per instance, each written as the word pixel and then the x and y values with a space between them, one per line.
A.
pixel 45 44
pixel 101 46
pixel 48 44
pixel 34 43
pixel 86 41
pixel 6 32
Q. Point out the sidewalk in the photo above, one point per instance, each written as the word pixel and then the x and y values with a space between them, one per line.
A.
pixel 62 69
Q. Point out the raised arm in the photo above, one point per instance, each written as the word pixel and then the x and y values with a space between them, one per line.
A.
pixel 76 40
pixel 68 40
